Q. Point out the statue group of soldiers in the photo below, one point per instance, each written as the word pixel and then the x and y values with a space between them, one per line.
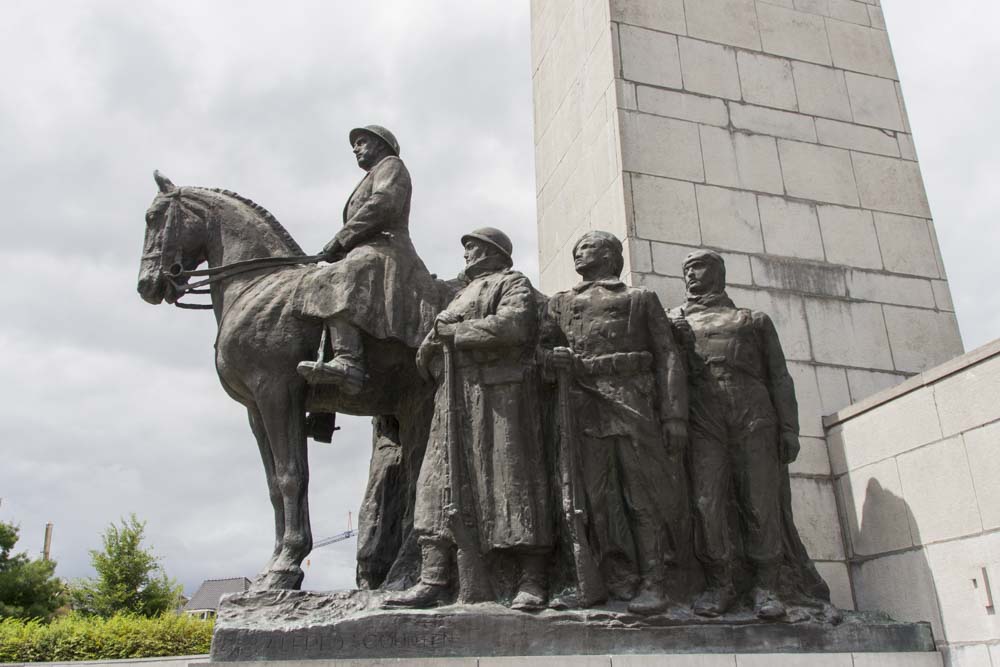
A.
pixel 650 429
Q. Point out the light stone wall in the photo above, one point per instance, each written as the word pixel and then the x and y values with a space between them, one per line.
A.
pixel 773 131
pixel 917 471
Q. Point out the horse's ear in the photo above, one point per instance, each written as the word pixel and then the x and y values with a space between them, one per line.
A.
pixel 163 182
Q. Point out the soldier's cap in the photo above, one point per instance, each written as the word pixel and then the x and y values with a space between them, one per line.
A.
pixel 705 255
pixel 377 131
pixel 493 237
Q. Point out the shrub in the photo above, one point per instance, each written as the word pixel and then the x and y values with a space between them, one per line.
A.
pixel 79 637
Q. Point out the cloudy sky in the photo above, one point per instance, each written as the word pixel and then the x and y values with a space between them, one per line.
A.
pixel 110 406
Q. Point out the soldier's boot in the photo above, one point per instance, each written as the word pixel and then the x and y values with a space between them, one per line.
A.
pixel 433 585
pixel 345 369
pixel 766 603
pixel 531 592
pixel 650 597
pixel 720 594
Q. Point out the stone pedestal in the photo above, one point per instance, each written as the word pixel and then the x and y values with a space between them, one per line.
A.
pixel 290 625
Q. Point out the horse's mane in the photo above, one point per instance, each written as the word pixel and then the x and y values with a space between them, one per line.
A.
pixel 265 214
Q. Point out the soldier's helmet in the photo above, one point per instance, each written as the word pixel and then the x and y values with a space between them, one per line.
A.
pixel 378 131
pixel 493 237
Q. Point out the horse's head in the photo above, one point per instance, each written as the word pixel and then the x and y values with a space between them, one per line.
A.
pixel 176 239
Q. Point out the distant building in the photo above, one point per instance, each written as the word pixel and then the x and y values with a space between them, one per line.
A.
pixel 205 601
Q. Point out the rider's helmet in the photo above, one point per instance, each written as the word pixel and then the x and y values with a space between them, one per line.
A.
pixel 376 130
pixel 493 237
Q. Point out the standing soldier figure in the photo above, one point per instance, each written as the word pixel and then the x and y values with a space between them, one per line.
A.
pixel 744 429
pixel 629 395
pixel 498 476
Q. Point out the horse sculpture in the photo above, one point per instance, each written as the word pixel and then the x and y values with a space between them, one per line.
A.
pixel 255 270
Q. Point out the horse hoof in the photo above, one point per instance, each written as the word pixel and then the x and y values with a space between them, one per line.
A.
pixel 274 580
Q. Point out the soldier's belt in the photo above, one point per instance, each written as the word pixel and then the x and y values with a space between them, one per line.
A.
pixel 618 363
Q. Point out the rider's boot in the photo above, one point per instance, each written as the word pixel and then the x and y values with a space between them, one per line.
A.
pixel 346 369
pixel 719 595
pixel 650 597
pixel 531 592
pixel 435 567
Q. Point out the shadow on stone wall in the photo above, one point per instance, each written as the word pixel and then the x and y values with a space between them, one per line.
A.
pixel 889 566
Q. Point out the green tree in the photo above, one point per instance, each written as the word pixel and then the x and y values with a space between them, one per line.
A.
pixel 28 588
pixel 129 577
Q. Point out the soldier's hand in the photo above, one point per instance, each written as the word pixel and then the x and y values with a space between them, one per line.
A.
pixel 447 317
pixel 675 433
pixel 562 358
pixel 789 447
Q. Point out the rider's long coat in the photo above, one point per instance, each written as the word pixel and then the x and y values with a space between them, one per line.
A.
pixel 380 284
pixel 498 419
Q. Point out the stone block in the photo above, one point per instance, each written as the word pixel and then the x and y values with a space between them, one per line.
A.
pixel 929 659
pixel 937 486
pixel 813 458
pixel 799 276
pixel 902 585
pixel 737 268
pixel 856 137
pixel 649 57
pixel 921 339
pixel 793 660
pixel 982 445
pixel 625 92
pixel 819 173
pixel 861 49
pixel 834 392
pixel 850 11
pixel 668 259
pixel 674 660
pixel 821 91
pixel 660 146
pixel 788 314
pixel 638 256
pixel 793 34
pixel 906 245
pixel 956 565
pixel 942 295
pixel 729 219
pixel 807 395
pixel 738 160
pixel 850 334
pixel 876 16
pixel 875 513
pixel 773 122
pixel 674 104
pixel 968 399
pixel 709 68
pixel 973 655
pixel 887 288
pixel 665 210
pixel 766 81
pixel 815 510
pixel 548 661
pixel 849 237
pixel 670 290
pixel 907 150
pixel 867 383
pixel 663 15
pixel 836 577
pixel 732 22
pixel 790 228
pixel 874 101
pixel 887 184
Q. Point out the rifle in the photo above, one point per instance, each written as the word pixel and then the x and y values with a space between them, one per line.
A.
pixel 590 588
pixel 473 580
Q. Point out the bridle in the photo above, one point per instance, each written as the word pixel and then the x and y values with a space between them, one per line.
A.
pixel 177 276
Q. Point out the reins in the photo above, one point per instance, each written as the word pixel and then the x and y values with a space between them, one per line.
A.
pixel 218 273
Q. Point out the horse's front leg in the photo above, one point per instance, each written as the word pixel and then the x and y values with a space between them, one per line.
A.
pixel 281 403
pixel 274 492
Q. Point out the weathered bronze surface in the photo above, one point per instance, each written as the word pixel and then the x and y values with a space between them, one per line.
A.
pixel 581 466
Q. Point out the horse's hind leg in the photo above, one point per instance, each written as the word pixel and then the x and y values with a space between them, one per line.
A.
pixel 267 458
pixel 281 402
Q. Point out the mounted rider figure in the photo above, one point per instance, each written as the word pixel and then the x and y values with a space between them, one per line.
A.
pixel 376 284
